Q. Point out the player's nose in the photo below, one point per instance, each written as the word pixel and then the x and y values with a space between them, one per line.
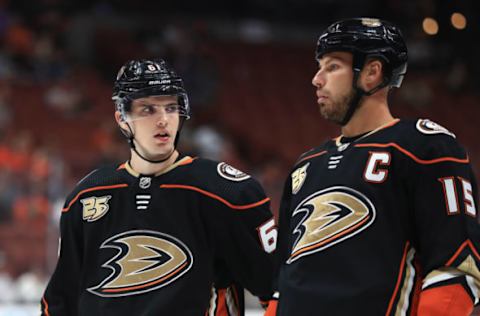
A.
pixel 162 119
pixel 318 79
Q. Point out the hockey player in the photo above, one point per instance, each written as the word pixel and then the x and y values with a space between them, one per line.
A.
pixel 163 233
pixel 381 220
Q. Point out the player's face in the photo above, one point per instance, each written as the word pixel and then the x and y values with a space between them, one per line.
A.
pixel 154 121
pixel 333 82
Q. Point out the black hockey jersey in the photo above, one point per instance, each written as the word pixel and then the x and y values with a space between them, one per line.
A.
pixel 365 225
pixel 155 245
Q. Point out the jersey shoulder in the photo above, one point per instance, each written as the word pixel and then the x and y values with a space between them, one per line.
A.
pixel 103 178
pixel 315 152
pixel 424 139
pixel 221 180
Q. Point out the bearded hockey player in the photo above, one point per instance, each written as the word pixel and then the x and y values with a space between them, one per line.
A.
pixel 163 233
pixel 381 220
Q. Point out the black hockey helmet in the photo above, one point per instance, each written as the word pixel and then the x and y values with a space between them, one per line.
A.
pixel 145 77
pixel 368 38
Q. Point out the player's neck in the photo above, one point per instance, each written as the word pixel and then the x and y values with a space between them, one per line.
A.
pixel 369 116
pixel 144 167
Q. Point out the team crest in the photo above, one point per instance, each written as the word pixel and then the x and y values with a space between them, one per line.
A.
pixel 428 127
pixel 230 173
pixel 146 261
pixel 95 207
pixel 298 178
pixel 329 217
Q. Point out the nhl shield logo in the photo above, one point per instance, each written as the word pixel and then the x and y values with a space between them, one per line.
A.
pixel 145 182
pixel 298 178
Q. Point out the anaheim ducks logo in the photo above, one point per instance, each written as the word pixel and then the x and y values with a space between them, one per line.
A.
pixel 146 261
pixel 329 217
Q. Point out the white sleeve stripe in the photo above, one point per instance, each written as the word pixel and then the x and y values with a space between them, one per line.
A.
pixel 473 288
pixel 441 277
pixel 213 302
pixel 450 275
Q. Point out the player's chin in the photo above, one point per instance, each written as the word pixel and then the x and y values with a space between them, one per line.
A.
pixel 161 155
pixel 324 111
pixel 159 150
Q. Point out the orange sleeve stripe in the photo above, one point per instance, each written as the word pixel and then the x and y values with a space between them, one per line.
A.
pixel 445 300
pixel 467 243
pixel 272 308
pixel 399 279
pixel 104 187
pixel 45 310
pixel 214 196
pixel 415 158
pixel 311 156
pixel 221 304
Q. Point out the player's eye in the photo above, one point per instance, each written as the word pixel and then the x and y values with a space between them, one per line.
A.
pixel 172 108
pixel 148 109
pixel 332 67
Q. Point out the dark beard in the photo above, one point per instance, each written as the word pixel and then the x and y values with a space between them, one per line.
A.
pixel 339 108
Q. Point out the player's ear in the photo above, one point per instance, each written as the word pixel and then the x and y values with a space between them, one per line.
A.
pixel 120 120
pixel 372 74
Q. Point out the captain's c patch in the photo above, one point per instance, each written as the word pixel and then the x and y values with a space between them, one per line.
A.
pixel 95 207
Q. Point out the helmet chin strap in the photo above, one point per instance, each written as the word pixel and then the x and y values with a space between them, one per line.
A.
pixel 358 64
pixel 353 104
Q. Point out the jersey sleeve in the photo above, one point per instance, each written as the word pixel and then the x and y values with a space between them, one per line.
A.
pixel 446 220
pixel 61 294
pixel 247 241
pixel 227 297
